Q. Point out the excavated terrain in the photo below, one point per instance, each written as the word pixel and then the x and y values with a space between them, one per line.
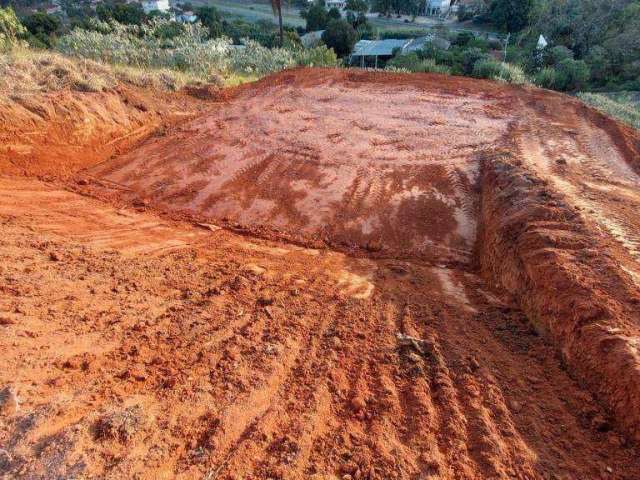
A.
pixel 326 274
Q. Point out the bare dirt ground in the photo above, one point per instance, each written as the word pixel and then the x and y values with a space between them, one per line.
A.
pixel 417 278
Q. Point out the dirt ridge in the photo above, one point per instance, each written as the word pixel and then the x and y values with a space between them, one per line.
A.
pixel 538 248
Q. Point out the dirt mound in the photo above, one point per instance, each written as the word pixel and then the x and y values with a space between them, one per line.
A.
pixel 391 163
pixel 385 166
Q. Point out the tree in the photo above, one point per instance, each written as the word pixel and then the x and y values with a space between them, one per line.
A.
pixel 10 28
pixel 357 6
pixel 210 17
pixel 42 26
pixel 470 57
pixel 276 5
pixel 168 30
pixel 125 13
pixel 316 16
pixel 511 15
pixel 340 36
pixel 334 13
pixel 383 6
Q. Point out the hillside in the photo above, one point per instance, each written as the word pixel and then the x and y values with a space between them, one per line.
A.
pixel 323 274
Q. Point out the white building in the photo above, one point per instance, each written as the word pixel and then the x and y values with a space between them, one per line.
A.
pixel 437 7
pixel 187 17
pixel 159 5
pixel 339 4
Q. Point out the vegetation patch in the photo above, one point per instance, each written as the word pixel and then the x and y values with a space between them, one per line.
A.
pixel 624 105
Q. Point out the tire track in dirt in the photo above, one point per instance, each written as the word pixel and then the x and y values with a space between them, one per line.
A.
pixel 322 387
pixel 283 177
pixel 235 357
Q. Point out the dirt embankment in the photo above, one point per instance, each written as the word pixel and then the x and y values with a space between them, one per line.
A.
pixel 391 163
pixel 381 162
pixel 534 245
pixel 56 134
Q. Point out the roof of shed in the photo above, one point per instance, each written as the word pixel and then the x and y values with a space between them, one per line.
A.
pixel 377 47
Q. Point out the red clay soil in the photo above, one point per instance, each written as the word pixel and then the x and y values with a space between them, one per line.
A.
pixel 487 328
pixel 56 134
pixel 318 154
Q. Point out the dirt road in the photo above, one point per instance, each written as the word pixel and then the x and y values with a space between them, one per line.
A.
pixel 425 282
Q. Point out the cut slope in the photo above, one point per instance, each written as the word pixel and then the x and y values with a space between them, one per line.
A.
pixel 55 134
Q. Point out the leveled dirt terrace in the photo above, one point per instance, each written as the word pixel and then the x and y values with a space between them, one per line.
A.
pixel 327 159
pixel 418 277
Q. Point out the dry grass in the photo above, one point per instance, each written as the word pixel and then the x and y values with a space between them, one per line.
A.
pixel 622 106
pixel 24 71
pixel 27 71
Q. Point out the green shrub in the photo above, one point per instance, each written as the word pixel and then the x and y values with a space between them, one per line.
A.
pixel 486 68
pixel 441 56
pixel 320 56
pixel 463 38
pixel 490 68
pixel 11 30
pixel 411 62
pixel 555 55
pixel 469 59
pixel 189 51
pixel 547 78
pixel 572 75
pixel 512 74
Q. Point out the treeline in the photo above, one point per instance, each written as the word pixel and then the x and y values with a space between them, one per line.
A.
pixel 341 29
pixel 592 44
pixel 43 30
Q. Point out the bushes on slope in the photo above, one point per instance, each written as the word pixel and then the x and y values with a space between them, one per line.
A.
pixel 190 50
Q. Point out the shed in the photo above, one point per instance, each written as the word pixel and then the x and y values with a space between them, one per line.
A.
pixel 377 48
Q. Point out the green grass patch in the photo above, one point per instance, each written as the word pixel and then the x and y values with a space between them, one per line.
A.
pixel 624 106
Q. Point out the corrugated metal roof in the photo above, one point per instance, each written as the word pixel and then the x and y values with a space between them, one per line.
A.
pixel 417 43
pixel 372 48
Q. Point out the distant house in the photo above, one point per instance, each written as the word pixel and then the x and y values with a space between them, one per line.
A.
pixel 186 17
pixel 437 7
pixel 339 4
pixel 152 5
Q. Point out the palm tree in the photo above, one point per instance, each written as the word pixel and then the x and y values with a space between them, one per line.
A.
pixel 277 8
